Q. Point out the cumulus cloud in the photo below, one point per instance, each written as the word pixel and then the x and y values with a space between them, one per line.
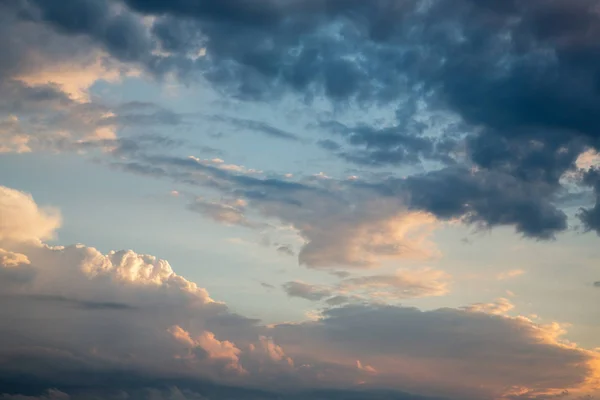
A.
pixel 22 220
pixel 70 303
pixel 210 347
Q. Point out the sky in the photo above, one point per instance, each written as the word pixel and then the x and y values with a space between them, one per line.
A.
pixel 299 199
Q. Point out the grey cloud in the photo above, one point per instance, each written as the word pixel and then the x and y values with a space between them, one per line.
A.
pixel 518 75
pixel 85 304
pixel 258 126
pixel 427 337
pixel 377 35
pixel 406 143
pixel 16 276
pixel 482 197
pixel 590 217
pixel 287 250
pixel 267 285
pixel 486 197
pixel 306 291
pixel 405 284
pixel 343 225
pixel 181 390
pixel 329 144
pixel 123 33
pixel 173 335
pixel 378 49
pixel 227 212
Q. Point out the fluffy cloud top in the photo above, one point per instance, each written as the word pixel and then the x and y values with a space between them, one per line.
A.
pixel 22 220
pixel 66 306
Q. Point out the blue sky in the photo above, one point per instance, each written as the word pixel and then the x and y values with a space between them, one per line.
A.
pixel 275 196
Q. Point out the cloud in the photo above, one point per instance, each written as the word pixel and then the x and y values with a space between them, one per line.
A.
pixel 10 259
pixel 52 394
pixel 22 220
pixel 590 217
pixel 44 81
pixel 450 349
pixel 75 77
pixel 326 48
pixel 356 223
pixel 486 198
pixel 69 304
pixel 499 307
pixel 405 284
pixel 258 126
pixel 306 291
pixel 513 273
pixel 342 224
pixel 286 249
pixel 524 122
pixel 588 159
pixel 407 142
pixel 210 347
pixel 227 212
pixel 361 240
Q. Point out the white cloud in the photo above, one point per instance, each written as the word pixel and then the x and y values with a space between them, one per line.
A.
pixel 499 307
pixel 22 220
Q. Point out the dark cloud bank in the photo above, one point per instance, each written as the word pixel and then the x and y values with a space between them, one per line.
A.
pixel 521 77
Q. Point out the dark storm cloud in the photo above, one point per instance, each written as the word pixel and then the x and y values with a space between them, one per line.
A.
pixel 18 97
pixel 482 61
pixel 388 146
pixel 488 198
pixel 590 217
pixel 121 33
pixel 491 67
pixel 521 77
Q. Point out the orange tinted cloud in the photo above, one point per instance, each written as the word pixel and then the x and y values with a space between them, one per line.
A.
pixel 21 220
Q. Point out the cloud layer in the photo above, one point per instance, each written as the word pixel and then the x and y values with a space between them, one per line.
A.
pixel 475 113
pixel 66 306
